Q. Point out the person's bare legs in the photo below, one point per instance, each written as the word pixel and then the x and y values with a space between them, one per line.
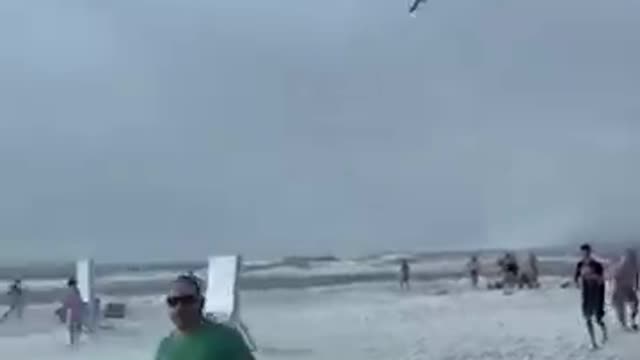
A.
pixel 634 314
pixel 20 311
pixel 619 307
pixel 603 328
pixel 74 332
pixel 474 280
pixel 404 285
pixel 591 332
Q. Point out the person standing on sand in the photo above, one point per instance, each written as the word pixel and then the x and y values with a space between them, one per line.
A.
pixel 535 272
pixel 511 271
pixel 404 275
pixel 473 267
pixel 529 274
pixel 195 337
pixel 73 309
pixel 589 276
pixel 626 279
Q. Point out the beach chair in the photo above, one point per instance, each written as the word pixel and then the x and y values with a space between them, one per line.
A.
pixel 222 296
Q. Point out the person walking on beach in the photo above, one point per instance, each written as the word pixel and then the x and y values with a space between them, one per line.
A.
pixel 16 301
pixel 510 271
pixel 195 337
pixel 626 279
pixel 404 275
pixel 534 271
pixel 73 309
pixel 473 267
pixel 589 276
pixel 529 273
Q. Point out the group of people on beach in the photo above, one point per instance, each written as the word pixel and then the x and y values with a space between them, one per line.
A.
pixel 512 275
pixel 195 336
pixel 195 331
pixel 590 276
pixel 72 309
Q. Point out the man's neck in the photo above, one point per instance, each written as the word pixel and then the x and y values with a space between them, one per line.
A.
pixel 190 330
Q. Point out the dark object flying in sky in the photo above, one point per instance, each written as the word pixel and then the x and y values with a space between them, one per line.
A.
pixel 414 5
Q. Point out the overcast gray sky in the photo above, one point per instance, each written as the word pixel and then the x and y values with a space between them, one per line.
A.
pixel 172 129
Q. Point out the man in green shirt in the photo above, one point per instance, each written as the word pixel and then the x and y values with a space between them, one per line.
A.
pixel 195 337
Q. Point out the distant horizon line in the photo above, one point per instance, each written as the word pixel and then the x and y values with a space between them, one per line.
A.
pixel 190 261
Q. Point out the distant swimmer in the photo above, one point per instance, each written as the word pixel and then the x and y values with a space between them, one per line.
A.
pixel 195 337
pixel 626 279
pixel 73 310
pixel 16 301
pixel 405 274
pixel 473 267
pixel 589 276
pixel 414 5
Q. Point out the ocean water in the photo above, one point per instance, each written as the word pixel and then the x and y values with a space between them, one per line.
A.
pixel 440 320
pixel 45 284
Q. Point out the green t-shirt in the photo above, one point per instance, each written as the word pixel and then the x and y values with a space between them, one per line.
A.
pixel 212 342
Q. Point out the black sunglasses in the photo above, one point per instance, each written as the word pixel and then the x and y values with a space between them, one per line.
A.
pixel 174 301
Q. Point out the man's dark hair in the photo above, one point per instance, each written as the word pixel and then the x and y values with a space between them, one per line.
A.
pixel 191 279
pixel 585 247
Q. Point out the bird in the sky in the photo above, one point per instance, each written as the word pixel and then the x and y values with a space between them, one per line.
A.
pixel 415 4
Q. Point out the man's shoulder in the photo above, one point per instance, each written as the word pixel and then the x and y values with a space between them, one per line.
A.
pixel 596 263
pixel 166 340
pixel 162 352
pixel 222 330
pixel 225 338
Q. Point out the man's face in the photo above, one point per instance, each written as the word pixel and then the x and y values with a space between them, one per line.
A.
pixel 185 305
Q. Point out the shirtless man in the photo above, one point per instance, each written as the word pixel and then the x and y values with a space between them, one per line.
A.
pixel 625 289
pixel 589 276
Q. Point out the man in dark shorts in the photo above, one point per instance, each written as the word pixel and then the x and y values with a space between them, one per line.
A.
pixel 589 276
